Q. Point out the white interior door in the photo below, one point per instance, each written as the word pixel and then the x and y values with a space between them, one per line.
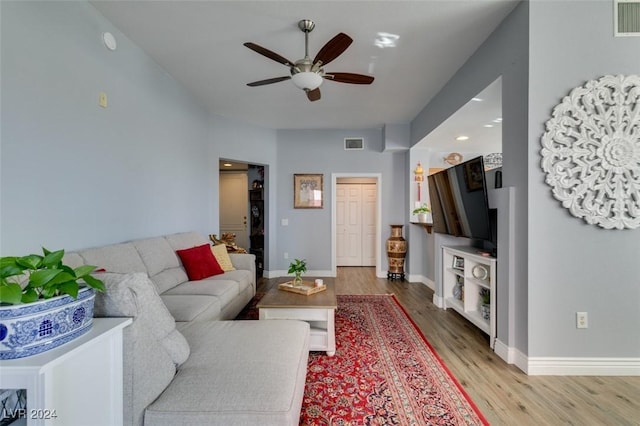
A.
pixel 234 202
pixel 369 203
pixel 355 224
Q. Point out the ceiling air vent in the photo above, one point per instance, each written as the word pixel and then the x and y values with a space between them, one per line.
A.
pixel 353 144
pixel 626 18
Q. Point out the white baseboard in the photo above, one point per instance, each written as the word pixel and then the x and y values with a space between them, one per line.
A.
pixel 556 366
pixel 548 366
pixel 421 279
pixel 438 301
pixel 511 355
pixel 283 273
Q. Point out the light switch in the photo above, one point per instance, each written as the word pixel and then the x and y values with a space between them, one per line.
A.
pixel 284 222
pixel 102 99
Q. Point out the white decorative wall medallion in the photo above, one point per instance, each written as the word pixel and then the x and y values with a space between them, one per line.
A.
pixel 591 152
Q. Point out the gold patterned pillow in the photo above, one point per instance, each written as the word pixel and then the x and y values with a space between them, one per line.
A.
pixel 220 253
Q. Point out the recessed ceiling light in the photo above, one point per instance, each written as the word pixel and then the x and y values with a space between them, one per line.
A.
pixel 488 125
pixel 477 99
pixel 498 120
pixel 227 164
pixel 462 138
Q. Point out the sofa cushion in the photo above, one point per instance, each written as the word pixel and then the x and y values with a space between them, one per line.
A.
pixel 157 254
pixel 242 277
pixel 245 262
pixel 120 258
pixel 199 262
pixel 169 278
pixel 256 373
pixel 187 307
pixel 185 240
pixel 222 256
pixel 224 290
pixel 73 260
pixel 134 295
pixel 148 368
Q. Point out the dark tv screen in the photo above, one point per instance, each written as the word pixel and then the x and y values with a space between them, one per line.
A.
pixel 459 204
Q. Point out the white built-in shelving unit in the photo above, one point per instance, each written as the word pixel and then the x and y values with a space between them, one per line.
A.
pixel 467 274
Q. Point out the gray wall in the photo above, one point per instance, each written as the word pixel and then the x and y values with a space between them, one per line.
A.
pixel 234 140
pixel 576 266
pixel 308 234
pixel 504 53
pixel 73 174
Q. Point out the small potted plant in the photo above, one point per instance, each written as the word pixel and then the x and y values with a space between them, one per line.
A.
pixel 485 306
pixel 422 212
pixel 43 302
pixel 297 267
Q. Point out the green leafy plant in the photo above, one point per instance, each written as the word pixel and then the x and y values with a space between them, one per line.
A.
pixel 298 267
pixel 485 295
pixel 422 209
pixel 45 277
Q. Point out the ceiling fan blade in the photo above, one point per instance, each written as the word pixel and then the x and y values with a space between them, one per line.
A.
pixel 313 95
pixel 269 54
pixel 269 81
pixel 347 77
pixel 333 49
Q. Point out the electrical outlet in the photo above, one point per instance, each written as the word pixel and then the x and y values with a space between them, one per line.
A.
pixel 582 320
pixel 286 255
pixel 102 99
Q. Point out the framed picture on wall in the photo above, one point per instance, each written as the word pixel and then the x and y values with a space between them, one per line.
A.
pixel 458 262
pixel 308 192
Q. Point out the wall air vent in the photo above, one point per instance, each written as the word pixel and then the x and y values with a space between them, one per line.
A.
pixel 353 144
pixel 626 15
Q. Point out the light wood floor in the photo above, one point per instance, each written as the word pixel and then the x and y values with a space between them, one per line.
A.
pixel 504 394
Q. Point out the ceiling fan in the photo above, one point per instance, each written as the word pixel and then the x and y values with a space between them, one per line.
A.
pixel 308 74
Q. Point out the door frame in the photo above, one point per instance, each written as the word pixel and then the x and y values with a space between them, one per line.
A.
pixel 334 183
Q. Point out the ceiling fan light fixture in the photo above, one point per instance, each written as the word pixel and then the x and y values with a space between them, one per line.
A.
pixel 307 80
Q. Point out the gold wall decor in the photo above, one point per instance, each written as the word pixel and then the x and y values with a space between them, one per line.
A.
pixel 308 192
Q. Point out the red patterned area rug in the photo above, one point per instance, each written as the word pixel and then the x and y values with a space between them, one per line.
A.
pixel 384 372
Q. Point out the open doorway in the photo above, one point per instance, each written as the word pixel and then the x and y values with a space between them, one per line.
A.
pixel 242 207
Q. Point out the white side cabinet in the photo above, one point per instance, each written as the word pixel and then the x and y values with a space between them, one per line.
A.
pixel 78 383
pixel 469 284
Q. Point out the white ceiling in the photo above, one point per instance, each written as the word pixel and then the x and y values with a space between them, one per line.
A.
pixel 480 120
pixel 200 44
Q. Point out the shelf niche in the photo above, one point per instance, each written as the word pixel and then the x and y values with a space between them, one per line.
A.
pixel 476 273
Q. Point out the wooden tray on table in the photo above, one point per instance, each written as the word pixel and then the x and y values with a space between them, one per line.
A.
pixel 306 288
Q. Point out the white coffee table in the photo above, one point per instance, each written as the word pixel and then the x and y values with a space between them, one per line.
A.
pixel 317 309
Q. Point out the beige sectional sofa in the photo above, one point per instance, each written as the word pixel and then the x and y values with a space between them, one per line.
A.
pixel 185 363
pixel 186 300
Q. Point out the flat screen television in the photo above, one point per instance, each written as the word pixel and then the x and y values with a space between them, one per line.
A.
pixel 459 203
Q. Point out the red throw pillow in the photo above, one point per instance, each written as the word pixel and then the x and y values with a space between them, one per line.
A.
pixel 199 262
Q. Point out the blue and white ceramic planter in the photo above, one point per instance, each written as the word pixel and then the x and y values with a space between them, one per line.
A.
pixel 37 327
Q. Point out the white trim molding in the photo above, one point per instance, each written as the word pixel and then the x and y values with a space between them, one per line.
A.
pixel 548 366
pixel 438 301
pixel 310 273
pixel 567 366
pixel 421 279
pixel 510 355
pixel 334 182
